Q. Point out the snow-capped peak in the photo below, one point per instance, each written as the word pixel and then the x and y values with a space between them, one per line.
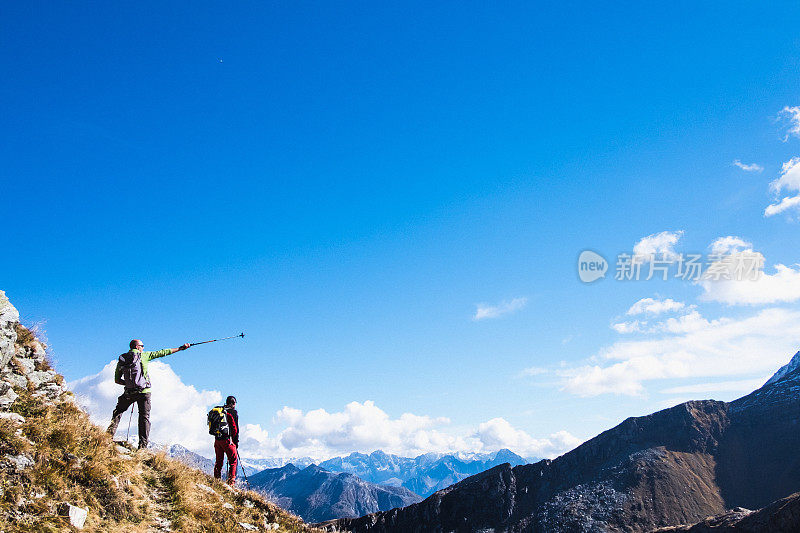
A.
pixel 785 369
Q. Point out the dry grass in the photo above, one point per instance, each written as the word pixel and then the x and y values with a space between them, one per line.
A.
pixel 25 337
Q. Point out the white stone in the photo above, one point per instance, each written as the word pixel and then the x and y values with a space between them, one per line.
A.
pixel 77 515
pixel 14 417
pixel 248 527
pixel 226 505
pixel 249 504
pixel 20 462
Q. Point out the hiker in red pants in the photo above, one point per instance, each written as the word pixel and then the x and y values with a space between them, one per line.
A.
pixel 223 423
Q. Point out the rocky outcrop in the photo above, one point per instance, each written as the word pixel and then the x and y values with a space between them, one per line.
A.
pixel 675 466
pixel 782 516
pixel 23 361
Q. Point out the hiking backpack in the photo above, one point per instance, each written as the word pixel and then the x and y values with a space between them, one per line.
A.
pixel 132 371
pixel 218 423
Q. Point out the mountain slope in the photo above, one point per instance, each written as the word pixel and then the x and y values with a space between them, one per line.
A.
pixel 782 516
pixel 675 466
pixel 316 494
pixel 51 453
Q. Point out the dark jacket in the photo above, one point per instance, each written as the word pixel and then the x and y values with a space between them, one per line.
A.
pixel 233 424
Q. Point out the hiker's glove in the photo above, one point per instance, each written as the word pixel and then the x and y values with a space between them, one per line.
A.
pixel 184 346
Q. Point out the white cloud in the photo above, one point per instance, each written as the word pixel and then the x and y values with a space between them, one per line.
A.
pixel 793 115
pixel 690 347
pixel 783 285
pixel 633 326
pixel 786 203
pixel 658 244
pixel 740 385
pixel 534 371
pixel 730 244
pixel 484 311
pixel 752 167
pixel 364 427
pixel 497 433
pixel 654 307
pixel 178 412
pixel 789 180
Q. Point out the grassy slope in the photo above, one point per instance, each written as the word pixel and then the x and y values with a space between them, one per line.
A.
pixel 77 462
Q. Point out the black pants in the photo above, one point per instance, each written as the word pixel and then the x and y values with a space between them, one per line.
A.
pixel 142 400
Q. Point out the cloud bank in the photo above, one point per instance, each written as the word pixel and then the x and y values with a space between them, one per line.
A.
pixel 179 412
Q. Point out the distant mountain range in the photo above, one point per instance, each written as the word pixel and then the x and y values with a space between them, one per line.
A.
pixel 205 464
pixel 676 466
pixel 316 494
pixel 422 475
pixel 357 484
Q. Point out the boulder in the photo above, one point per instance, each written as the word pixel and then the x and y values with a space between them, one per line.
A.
pixel 40 377
pixel 7 395
pixel 15 380
pixel 50 391
pixel 9 318
pixel 27 363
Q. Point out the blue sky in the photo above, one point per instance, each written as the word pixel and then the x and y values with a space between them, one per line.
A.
pixel 348 184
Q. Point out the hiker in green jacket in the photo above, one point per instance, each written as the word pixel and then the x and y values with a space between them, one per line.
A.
pixel 132 372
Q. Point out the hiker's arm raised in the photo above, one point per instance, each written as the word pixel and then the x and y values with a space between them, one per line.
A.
pixel 167 351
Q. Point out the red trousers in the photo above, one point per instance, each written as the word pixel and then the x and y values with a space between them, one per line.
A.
pixel 224 447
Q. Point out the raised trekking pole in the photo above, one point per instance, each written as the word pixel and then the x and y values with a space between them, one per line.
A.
pixel 215 340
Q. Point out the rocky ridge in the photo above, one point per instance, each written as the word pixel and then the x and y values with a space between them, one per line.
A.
pixel 675 466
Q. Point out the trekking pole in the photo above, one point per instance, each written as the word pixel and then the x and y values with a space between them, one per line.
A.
pixel 215 340
pixel 128 434
pixel 239 461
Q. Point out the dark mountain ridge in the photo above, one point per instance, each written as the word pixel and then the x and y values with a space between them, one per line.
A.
pixel 675 466
pixel 316 494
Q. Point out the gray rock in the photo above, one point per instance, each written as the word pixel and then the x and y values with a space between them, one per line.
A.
pixel 40 377
pixel 27 363
pixel 50 391
pixel 77 515
pixel 7 395
pixel 248 527
pixel 9 318
pixel 20 462
pixel 15 380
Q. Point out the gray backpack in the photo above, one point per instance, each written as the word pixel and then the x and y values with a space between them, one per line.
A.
pixel 132 371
